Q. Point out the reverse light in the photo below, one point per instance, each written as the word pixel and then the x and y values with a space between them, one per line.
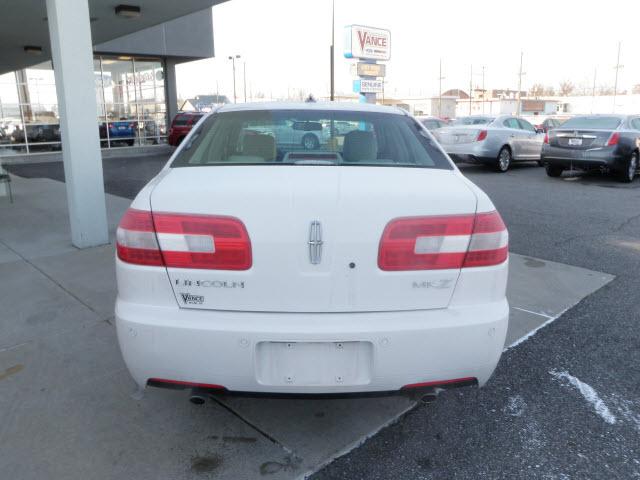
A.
pixel 183 241
pixel 481 136
pixel 443 242
pixel 613 139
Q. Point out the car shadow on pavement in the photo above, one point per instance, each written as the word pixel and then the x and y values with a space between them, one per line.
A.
pixel 480 169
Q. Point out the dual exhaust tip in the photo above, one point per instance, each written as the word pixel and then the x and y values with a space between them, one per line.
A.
pixel 198 396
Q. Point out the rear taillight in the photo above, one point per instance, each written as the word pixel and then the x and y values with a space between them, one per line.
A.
pixel 443 242
pixel 546 138
pixel 481 136
pixel 203 241
pixel 183 241
pixel 613 139
pixel 136 239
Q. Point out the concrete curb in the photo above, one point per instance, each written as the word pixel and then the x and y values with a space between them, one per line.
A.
pixel 46 157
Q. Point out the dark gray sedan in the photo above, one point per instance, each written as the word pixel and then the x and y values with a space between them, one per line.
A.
pixel 594 142
pixel 491 140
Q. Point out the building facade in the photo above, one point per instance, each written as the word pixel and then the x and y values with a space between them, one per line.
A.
pixel 134 87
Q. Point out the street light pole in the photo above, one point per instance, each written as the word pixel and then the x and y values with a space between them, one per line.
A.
pixel 440 78
pixel 331 50
pixel 593 93
pixel 470 88
pixel 615 87
pixel 233 61
pixel 244 74
pixel 484 92
pixel 519 106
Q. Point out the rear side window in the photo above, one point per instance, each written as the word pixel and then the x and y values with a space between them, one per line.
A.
pixel 608 123
pixel 311 137
pixel 524 125
pixel 635 123
pixel 511 123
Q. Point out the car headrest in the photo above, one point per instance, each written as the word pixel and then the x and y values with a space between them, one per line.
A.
pixel 260 145
pixel 359 145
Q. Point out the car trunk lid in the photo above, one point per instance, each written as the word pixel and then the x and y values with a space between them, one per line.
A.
pixel 457 135
pixel 579 139
pixel 288 210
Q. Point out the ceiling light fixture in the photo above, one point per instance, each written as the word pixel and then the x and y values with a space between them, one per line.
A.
pixel 128 11
pixel 33 50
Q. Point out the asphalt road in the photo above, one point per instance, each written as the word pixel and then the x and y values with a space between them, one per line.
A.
pixel 530 421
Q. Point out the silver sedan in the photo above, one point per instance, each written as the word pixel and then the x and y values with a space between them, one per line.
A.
pixel 491 140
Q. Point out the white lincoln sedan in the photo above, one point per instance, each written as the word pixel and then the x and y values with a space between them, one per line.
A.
pixel 367 264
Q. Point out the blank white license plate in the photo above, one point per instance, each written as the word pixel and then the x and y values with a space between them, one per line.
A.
pixel 575 142
pixel 314 363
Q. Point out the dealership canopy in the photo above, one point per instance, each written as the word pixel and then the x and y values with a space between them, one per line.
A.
pixel 70 33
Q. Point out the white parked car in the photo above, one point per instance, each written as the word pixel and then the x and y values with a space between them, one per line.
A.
pixel 367 265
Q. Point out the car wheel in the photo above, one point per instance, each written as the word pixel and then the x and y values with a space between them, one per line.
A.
pixel 310 142
pixel 130 142
pixel 179 141
pixel 553 170
pixel 504 160
pixel 627 175
pixel 540 163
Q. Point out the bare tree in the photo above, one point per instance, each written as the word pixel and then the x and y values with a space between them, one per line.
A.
pixel 635 90
pixel 549 91
pixel 566 88
pixel 536 90
pixel 604 90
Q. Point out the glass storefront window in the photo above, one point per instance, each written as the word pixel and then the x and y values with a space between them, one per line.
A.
pixel 130 94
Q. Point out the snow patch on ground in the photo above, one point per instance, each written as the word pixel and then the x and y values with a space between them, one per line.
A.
pixel 515 406
pixel 533 436
pixel 625 408
pixel 589 394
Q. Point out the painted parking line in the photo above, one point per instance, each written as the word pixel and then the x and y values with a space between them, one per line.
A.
pixel 534 313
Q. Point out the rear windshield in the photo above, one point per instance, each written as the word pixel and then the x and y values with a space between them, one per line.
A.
pixel 473 121
pixel 593 122
pixel 181 120
pixel 311 137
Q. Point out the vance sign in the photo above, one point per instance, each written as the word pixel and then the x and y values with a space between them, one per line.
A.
pixel 367 43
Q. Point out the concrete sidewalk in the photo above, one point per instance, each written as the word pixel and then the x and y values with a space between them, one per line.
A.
pixel 70 410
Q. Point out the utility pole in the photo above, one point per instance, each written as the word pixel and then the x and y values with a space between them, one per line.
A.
pixel 440 78
pixel 519 105
pixel 244 74
pixel 484 92
pixel 331 48
pixel 470 88
pixel 593 93
pixel 615 87
pixel 233 61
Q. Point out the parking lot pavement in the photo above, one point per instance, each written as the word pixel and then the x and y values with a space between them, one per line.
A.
pixel 564 404
pixel 70 410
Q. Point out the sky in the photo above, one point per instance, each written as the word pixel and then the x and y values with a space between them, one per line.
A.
pixel 285 45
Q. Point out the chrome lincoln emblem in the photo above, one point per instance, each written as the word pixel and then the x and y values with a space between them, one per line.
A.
pixel 315 242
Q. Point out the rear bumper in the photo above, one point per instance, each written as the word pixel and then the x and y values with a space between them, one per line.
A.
pixel 228 348
pixel 606 157
pixel 476 152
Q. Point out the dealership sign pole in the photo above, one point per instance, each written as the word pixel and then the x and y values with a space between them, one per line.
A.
pixel 369 45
